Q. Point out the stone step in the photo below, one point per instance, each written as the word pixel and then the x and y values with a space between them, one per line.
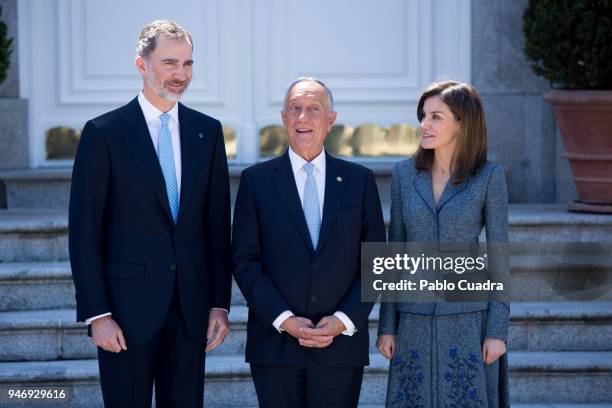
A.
pixel 36 285
pixel 552 223
pixel 48 285
pixel 228 381
pixel 561 277
pixel 36 188
pixel 536 377
pixel 545 405
pixel 560 326
pixel 50 188
pixel 33 236
pixel 561 405
pixel 28 235
pixel 560 377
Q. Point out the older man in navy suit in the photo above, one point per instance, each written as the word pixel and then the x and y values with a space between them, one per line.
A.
pixel 299 222
pixel 150 233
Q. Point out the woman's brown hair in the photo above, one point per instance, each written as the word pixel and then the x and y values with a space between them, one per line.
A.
pixel 465 104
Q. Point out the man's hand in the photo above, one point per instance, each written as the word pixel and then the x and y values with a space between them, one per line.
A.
pixel 293 324
pixel 386 345
pixel 492 349
pixel 323 334
pixel 218 327
pixel 107 334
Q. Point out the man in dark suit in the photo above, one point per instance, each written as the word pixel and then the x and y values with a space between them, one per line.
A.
pixel 299 222
pixel 149 233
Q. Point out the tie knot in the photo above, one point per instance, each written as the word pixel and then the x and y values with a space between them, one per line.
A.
pixel 164 119
pixel 309 167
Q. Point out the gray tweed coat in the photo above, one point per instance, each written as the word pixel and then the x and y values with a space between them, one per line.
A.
pixel 462 212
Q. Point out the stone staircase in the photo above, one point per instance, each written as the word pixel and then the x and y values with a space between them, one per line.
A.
pixel 560 348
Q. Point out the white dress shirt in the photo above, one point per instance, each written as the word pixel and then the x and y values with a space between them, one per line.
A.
pixel 297 165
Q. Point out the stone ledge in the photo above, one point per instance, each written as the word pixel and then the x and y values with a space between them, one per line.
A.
pixel 35 271
pixel 560 361
pixel 520 215
pixel 36 221
pixel 561 311
pixel 553 214
pixel 223 367
pixel 561 405
pixel 65 174
pixel 520 311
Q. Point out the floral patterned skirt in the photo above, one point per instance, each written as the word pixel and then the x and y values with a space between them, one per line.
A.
pixel 438 363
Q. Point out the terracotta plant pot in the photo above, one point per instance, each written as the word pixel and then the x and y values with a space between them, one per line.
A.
pixel 585 122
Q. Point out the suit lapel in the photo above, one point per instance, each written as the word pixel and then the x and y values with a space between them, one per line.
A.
pixel 193 157
pixel 138 140
pixel 422 185
pixel 285 183
pixel 334 189
pixel 450 190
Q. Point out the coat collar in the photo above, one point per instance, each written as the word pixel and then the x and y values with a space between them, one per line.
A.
pixel 138 140
pixel 334 191
pixel 192 156
pixel 423 185
pixel 285 183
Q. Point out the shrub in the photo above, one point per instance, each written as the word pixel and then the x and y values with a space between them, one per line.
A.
pixel 570 42
pixel 6 49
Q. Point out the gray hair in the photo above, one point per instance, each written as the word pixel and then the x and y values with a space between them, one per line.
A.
pixel 156 30
pixel 330 97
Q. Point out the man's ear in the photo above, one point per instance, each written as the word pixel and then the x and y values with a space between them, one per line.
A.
pixel 332 119
pixel 140 65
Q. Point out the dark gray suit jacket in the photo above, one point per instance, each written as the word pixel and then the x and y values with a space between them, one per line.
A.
pixel 462 212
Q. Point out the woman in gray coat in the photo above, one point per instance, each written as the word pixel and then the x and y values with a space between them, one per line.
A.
pixel 445 353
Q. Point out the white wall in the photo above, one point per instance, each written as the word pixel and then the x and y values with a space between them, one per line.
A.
pixel 76 57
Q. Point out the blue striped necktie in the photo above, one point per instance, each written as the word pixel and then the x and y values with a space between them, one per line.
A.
pixel 312 209
pixel 166 160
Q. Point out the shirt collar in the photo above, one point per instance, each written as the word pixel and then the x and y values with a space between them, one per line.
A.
pixel 152 113
pixel 297 161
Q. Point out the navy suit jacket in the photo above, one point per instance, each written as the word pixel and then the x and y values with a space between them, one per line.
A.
pixel 125 251
pixel 277 268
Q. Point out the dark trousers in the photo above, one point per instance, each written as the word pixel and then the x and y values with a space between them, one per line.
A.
pixel 308 385
pixel 171 360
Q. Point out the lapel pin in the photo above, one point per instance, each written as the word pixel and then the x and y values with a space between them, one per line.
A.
pixel 339 179
pixel 201 135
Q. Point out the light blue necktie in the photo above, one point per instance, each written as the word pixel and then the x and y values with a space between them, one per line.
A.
pixel 166 160
pixel 312 209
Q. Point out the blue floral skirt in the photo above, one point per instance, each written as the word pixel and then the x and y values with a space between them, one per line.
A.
pixel 438 363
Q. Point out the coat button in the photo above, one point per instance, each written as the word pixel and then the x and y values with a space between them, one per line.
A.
pixel 313 299
pixel 315 267
pixel 173 267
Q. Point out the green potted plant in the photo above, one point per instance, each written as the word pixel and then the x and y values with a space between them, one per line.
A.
pixel 569 42
pixel 6 49
pixel 14 137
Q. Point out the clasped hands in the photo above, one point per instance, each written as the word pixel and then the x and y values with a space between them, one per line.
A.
pixel 310 335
